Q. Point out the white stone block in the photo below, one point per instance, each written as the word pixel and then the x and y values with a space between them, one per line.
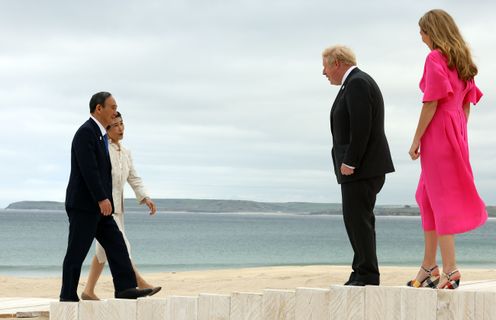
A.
pixel 64 311
pixel 485 305
pixel 246 306
pixel 93 310
pixel 312 304
pixel 456 305
pixel 151 309
pixel 418 303
pixel 182 308
pixel 214 307
pixel 347 302
pixel 382 303
pixel 278 304
pixel 121 309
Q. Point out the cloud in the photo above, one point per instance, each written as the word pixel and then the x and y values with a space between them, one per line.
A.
pixel 220 99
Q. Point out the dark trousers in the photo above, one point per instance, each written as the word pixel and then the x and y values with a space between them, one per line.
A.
pixel 83 228
pixel 358 213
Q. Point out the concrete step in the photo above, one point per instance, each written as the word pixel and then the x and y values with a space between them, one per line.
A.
pixel 475 300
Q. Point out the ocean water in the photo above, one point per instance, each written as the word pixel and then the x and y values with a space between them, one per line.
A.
pixel 33 243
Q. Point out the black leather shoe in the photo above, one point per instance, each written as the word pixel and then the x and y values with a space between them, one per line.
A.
pixel 155 290
pixel 69 300
pixel 359 283
pixel 132 293
pixel 356 283
pixel 350 279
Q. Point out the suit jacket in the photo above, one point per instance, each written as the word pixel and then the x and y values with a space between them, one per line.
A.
pixel 357 127
pixel 122 171
pixel 90 180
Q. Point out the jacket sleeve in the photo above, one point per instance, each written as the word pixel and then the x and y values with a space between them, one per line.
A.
pixel 85 146
pixel 359 101
pixel 135 181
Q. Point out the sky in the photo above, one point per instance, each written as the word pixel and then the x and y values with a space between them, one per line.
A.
pixel 221 99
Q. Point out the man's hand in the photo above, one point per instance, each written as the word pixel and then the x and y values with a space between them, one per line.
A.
pixel 151 205
pixel 105 207
pixel 346 171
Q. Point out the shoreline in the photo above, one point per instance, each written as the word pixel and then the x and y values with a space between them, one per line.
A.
pixel 35 274
pixel 226 281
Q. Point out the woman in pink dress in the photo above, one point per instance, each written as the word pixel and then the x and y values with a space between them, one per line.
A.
pixel 446 194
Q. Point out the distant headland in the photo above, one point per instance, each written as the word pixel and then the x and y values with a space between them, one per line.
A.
pixel 228 206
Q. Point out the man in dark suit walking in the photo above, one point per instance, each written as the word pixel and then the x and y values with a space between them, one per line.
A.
pixel 360 155
pixel 89 205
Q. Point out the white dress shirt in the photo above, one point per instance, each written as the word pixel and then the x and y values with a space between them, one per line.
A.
pixel 346 74
pixel 102 128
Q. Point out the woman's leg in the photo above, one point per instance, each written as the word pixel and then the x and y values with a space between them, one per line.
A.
pixel 447 246
pixel 95 272
pixel 430 251
pixel 142 284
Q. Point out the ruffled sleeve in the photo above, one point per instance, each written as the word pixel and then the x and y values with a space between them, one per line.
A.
pixel 473 94
pixel 435 82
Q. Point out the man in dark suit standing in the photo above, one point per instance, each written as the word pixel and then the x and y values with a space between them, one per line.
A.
pixel 89 205
pixel 360 155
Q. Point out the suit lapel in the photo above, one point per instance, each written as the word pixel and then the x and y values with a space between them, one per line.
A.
pixel 340 93
pixel 99 136
pixel 338 96
pixel 345 84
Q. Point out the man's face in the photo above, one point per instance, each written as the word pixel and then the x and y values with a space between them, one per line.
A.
pixel 107 112
pixel 331 71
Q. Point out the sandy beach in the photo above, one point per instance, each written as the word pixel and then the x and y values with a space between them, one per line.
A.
pixel 226 281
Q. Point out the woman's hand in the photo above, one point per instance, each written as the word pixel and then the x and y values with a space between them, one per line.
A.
pixel 415 150
pixel 151 205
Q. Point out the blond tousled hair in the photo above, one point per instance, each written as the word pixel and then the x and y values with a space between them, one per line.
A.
pixel 446 37
pixel 339 53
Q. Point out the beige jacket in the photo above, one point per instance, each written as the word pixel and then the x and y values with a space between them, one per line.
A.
pixel 122 171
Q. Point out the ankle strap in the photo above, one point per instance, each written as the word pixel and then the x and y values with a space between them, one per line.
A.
pixel 449 275
pixel 429 271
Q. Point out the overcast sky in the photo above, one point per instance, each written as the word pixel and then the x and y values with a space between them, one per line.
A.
pixel 221 99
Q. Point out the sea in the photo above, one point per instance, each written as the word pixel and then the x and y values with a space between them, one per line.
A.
pixel 33 243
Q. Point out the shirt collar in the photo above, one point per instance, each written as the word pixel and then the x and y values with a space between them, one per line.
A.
pixel 347 73
pixel 114 144
pixel 102 129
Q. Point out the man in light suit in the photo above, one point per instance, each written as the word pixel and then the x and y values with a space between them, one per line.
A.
pixel 89 205
pixel 360 155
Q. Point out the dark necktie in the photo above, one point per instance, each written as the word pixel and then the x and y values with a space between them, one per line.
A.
pixel 105 139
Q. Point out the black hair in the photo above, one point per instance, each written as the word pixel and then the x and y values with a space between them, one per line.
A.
pixel 98 99
pixel 117 115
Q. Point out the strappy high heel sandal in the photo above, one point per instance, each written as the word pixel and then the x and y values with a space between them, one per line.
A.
pixel 453 280
pixel 430 281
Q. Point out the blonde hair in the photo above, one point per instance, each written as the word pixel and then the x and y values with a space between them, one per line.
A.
pixel 339 53
pixel 446 37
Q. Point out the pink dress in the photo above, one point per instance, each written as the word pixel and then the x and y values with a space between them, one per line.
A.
pixel 446 193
